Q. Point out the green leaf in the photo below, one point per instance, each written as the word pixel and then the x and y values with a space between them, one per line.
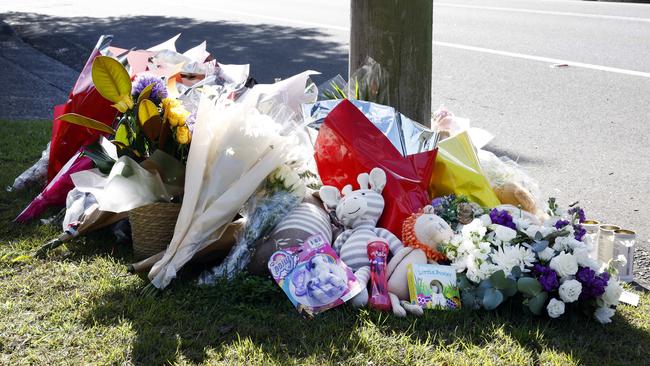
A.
pixel 536 304
pixel 152 127
pixel 499 279
pixel 529 286
pixel 80 120
pixel 468 299
pixel 516 272
pixel 122 135
pixel 111 79
pixel 486 284
pixel 492 298
pixel 101 159
pixel 145 93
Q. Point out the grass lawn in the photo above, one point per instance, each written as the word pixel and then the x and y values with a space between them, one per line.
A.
pixel 80 306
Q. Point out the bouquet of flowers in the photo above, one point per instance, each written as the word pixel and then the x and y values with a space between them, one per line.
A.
pixel 148 118
pixel 504 252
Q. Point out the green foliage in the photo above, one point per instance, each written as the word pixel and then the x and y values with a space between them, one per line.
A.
pixel 529 286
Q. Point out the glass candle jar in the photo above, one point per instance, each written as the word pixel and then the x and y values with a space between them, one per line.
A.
pixel 624 241
pixel 591 238
pixel 606 242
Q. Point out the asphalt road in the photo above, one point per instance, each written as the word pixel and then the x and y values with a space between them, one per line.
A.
pixel 581 131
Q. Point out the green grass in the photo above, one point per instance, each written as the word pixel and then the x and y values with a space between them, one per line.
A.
pixel 79 306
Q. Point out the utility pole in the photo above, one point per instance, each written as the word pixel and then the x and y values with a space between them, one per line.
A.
pixel 398 34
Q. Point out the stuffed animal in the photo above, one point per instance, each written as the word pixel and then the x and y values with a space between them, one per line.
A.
pixel 358 211
pixel 516 195
pixel 426 231
pixel 307 219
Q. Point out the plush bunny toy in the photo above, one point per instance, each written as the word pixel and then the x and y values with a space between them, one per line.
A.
pixel 358 211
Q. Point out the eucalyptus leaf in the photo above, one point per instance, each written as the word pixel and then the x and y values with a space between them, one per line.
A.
pixel 486 284
pixel 492 299
pixel 536 304
pixel 538 236
pixel 468 299
pixel 499 279
pixel 511 289
pixel 463 282
pixel 539 246
pixel 529 286
pixel 515 273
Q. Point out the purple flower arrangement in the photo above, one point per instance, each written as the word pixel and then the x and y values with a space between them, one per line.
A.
pixel 158 91
pixel 502 218
pixel 547 277
pixel 497 263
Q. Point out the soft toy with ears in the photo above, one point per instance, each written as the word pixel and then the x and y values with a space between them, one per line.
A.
pixel 516 195
pixel 358 211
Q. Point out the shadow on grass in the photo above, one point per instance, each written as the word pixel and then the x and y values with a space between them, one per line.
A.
pixel 272 50
pixel 250 315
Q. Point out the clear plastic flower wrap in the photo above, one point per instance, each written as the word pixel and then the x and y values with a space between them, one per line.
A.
pixel 502 170
pixel 36 175
pixel 262 213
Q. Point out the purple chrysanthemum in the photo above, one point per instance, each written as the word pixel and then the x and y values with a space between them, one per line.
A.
pixel 579 232
pixel 592 285
pixel 580 212
pixel 546 277
pixel 561 223
pixel 502 218
pixel 438 201
pixel 158 91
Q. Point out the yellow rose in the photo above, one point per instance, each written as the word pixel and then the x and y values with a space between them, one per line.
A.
pixel 183 135
pixel 177 115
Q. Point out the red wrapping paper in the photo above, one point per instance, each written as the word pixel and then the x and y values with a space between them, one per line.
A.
pixel 67 138
pixel 348 144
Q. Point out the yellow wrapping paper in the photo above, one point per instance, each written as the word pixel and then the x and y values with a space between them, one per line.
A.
pixel 457 171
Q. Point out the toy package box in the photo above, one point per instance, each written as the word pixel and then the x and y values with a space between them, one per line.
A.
pixel 433 286
pixel 313 276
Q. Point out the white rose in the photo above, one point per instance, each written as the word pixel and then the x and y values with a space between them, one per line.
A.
pixel 532 230
pixel 485 219
pixel 546 254
pixel 566 243
pixel 584 260
pixel 555 308
pixel 604 314
pixel 564 264
pixel 570 290
pixel 612 293
pixel 521 223
pixel 503 233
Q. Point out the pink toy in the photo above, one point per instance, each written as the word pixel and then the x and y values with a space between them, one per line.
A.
pixel 377 254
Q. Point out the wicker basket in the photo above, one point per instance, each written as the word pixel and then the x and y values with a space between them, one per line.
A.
pixel 152 227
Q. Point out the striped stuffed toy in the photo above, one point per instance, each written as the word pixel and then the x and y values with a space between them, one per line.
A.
pixel 358 211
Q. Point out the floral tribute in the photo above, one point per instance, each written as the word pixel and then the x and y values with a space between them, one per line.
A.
pixel 502 254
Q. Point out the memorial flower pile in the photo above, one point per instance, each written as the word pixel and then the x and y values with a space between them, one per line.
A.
pixel 340 198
